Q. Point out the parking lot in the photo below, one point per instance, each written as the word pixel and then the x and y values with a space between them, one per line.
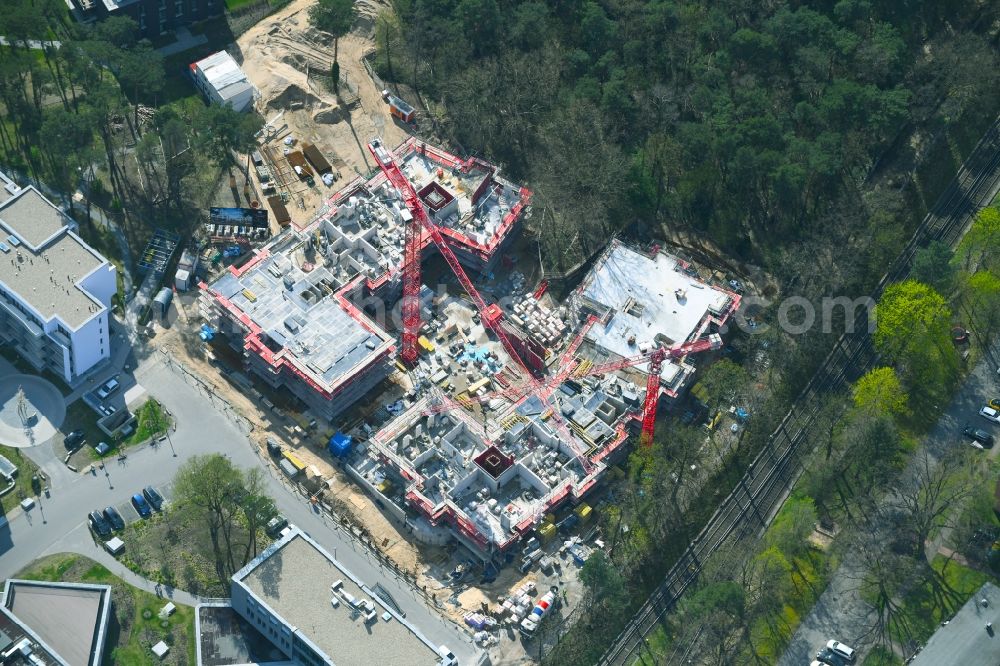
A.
pixel 128 511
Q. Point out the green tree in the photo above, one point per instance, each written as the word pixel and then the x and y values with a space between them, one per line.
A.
pixel 981 304
pixel 932 265
pixel 790 532
pixel 724 383
pixel 480 21
pixel 334 17
pixel 223 130
pixel 604 583
pixel 980 247
pixel 225 497
pixel 879 392
pixel 140 72
pixel 912 329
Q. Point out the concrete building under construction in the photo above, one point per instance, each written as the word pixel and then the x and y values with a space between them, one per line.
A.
pixel 646 299
pixel 446 474
pixel 293 309
pixel 513 450
pixel 489 481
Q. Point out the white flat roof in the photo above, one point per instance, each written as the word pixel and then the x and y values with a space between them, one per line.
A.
pixel 43 261
pixel 650 296
pixel 293 578
pixel 224 74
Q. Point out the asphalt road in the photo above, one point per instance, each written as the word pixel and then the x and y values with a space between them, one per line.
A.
pixel 840 613
pixel 57 524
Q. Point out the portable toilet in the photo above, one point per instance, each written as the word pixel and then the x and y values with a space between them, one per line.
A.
pixel 162 302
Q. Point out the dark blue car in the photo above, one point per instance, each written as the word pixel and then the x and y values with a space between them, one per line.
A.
pixel 141 505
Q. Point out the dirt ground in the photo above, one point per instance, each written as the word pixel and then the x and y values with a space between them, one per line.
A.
pixel 289 62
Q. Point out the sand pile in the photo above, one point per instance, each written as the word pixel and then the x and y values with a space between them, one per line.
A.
pixel 280 50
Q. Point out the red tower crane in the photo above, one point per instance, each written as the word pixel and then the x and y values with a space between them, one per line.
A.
pixel 655 358
pixel 491 315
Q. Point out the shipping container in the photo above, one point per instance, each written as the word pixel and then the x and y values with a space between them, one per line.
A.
pixel 316 158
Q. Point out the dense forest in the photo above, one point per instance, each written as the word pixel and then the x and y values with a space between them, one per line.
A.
pixel 750 126
pixel 798 144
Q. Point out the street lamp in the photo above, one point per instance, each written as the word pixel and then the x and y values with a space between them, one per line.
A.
pixel 171 442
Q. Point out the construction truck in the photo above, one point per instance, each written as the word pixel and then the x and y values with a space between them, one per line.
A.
pixel 529 625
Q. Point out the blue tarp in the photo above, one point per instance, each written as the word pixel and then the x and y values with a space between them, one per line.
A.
pixel 340 445
pixel 472 354
pixel 207 332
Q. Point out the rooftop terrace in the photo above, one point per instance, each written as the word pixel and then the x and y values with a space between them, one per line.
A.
pixel 294 579
pixel 47 277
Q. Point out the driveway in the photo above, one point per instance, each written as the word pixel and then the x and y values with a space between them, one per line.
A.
pixel 840 612
pixel 57 524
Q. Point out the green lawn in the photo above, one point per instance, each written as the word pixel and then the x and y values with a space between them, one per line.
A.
pixel 136 626
pixel 153 421
pixel 22 482
pixel 922 609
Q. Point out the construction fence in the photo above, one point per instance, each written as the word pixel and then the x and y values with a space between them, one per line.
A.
pixel 209 391
pixel 752 504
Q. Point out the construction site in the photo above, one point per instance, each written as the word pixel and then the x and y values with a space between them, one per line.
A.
pixel 512 409
pixel 391 334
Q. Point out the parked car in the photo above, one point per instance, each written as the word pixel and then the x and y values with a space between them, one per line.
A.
pixel 842 650
pixel 990 414
pixel 98 524
pixel 73 439
pixel 978 435
pixel 107 388
pixel 276 525
pixel 828 656
pixel 141 505
pixel 154 498
pixel 114 518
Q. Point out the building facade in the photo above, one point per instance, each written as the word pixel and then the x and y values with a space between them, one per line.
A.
pixel 222 82
pixel 153 17
pixel 55 290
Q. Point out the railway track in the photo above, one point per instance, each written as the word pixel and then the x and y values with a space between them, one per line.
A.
pixel 760 493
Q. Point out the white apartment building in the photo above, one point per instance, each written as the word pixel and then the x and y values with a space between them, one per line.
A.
pixel 55 290
pixel 221 80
